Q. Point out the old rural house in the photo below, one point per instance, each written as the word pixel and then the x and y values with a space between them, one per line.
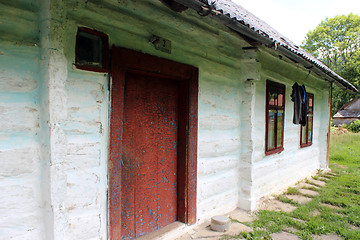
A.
pixel 120 117
pixel 348 113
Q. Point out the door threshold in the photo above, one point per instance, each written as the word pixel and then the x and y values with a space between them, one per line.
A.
pixel 171 231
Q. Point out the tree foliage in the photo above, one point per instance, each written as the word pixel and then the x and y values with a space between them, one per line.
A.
pixel 336 42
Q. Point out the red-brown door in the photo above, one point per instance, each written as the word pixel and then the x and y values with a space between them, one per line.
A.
pixel 153 135
pixel 149 174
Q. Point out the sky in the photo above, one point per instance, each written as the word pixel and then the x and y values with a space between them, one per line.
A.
pixel 295 18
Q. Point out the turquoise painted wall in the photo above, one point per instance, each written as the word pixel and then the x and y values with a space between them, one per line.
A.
pixel 20 180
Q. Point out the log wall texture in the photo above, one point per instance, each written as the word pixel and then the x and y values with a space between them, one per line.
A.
pixel 54 118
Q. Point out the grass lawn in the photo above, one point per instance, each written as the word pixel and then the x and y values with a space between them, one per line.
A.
pixel 336 210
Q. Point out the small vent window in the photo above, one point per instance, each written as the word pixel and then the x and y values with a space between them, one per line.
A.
pixel 91 50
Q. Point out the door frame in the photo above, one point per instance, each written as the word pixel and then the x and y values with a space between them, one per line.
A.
pixel 126 60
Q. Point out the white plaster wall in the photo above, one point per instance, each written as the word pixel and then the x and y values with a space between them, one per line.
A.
pixel 276 172
pixel 20 191
pixel 218 143
pixel 250 75
pixel 56 184
pixel 85 164
pixel 86 127
pixel 22 163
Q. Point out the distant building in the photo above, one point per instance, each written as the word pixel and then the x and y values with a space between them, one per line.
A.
pixel 348 113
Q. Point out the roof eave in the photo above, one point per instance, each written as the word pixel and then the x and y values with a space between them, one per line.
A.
pixel 244 29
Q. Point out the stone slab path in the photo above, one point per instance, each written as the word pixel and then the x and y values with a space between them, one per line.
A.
pixel 284 235
pixel 238 217
pixel 273 204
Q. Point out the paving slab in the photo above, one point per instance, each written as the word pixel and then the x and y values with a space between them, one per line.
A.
pixel 290 230
pixel 284 236
pixel 306 185
pixel 242 216
pixel 299 199
pixel 185 236
pixel 315 213
pixel 204 230
pixel 327 237
pixel 327 176
pixel 236 228
pixel 207 238
pixel 355 228
pixel 276 205
pixel 330 206
pixel 318 182
pixel 298 220
pixel 308 192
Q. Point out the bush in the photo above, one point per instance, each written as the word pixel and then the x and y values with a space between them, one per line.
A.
pixel 353 127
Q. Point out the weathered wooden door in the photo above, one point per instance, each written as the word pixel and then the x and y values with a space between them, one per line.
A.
pixel 149 159
pixel 152 167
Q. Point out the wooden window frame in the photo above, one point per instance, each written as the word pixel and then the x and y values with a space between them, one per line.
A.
pixel 309 114
pixel 105 53
pixel 281 89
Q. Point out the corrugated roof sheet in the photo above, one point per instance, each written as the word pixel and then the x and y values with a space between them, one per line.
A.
pixel 246 18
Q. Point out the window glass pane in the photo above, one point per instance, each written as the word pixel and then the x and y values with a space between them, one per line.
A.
pixel 89 50
pixel 303 135
pixel 271 129
pixel 272 97
pixel 310 119
pixel 280 117
pixel 280 99
pixel 310 102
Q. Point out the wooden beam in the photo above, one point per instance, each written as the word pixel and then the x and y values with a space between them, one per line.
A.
pixel 329 129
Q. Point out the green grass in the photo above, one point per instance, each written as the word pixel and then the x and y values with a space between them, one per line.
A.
pixel 292 191
pixel 312 188
pixel 345 150
pixel 316 177
pixel 287 200
pixel 342 191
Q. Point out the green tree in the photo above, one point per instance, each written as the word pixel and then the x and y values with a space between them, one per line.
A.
pixel 336 42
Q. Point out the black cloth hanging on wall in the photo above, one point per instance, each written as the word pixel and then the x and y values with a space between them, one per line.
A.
pixel 298 96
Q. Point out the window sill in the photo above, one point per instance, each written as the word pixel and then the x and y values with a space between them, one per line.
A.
pixel 305 145
pixel 273 151
pixel 91 68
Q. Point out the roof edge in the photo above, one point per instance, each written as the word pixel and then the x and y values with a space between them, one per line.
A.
pixel 288 50
pixel 349 103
